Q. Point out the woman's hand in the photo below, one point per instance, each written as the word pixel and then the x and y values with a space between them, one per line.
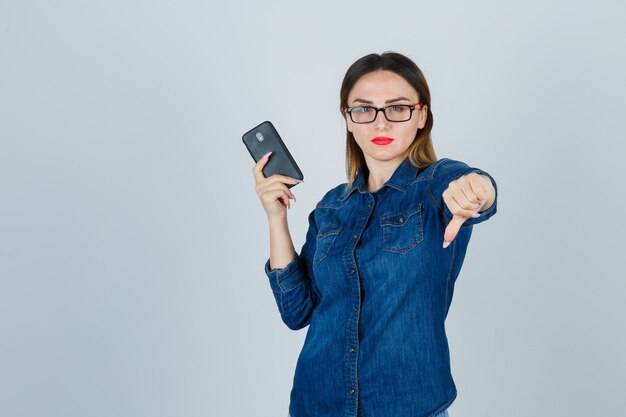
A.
pixel 272 191
pixel 466 197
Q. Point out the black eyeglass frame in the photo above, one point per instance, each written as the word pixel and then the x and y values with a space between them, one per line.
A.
pixel 383 109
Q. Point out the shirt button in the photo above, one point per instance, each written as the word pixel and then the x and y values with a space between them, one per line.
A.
pixel 352 271
pixel 401 220
pixel 351 350
pixel 369 205
pixel 354 309
pixel 351 390
pixel 355 236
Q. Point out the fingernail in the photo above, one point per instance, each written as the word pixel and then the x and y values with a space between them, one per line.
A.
pixel 446 244
pixel 481 202
pixel 297 180
pixel 294 197
pixel 266 155
pixel 476 215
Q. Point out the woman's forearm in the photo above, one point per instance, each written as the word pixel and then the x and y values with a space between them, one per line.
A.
pixel 282 250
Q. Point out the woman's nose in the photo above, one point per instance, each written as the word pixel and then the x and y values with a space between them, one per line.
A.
pixel 380 121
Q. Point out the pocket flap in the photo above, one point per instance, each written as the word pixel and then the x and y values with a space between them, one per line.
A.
pixel 328 229
pixel 399 219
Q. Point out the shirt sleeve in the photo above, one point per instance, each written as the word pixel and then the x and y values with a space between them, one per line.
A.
pixel 293 287
pixel 448 170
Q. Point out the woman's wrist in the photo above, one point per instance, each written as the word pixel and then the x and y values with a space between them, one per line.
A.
pixel 277 220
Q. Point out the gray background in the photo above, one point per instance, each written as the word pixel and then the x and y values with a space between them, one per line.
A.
pixel 132 241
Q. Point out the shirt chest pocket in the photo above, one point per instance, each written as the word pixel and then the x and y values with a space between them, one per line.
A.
pixel 402 231
pixel 325 238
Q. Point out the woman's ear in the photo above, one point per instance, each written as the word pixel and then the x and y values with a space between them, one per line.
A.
pixel 346 117
pixel 423 115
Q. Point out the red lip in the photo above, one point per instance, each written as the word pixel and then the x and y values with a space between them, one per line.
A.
pixel 382 140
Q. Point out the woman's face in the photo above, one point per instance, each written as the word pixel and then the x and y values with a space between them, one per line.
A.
pixel 380 89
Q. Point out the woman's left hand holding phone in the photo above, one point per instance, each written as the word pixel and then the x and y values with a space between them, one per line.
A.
pixel 275 196
pixel 272 191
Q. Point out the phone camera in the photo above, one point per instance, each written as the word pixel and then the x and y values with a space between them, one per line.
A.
pixel 259 136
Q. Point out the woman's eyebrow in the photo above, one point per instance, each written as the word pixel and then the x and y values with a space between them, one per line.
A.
pixel 360 100
pixel 397 99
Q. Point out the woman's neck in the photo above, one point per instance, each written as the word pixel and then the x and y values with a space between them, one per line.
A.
pixel 380 172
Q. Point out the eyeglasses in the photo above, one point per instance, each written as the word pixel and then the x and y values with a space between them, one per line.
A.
pixel 393 113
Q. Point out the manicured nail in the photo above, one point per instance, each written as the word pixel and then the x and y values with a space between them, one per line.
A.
pixel 476 215
pixel 297 180
pixel 446 244
pixel 481 202
pixel 294 197
pixel 266 155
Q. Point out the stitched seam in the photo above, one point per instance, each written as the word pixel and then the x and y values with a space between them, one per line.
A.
pixel 334 203
pixel 445 406
pixel 324 206
pixel 279 281
pixel 441 162
pixel 344 196
pixel 421 179
pixel 427 177
pixel 430 187
pixel 430 192
pixel 397 187
pixel 331 241
pixel 291 289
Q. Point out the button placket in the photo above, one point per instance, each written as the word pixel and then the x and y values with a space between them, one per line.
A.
pixel 353 336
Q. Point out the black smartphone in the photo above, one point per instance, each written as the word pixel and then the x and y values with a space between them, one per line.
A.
pixel 264 138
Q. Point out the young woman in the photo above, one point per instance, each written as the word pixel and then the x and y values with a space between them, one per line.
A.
pixel 375 276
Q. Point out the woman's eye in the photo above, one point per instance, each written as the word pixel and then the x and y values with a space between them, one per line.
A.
pixel 396 108
pixel 362 109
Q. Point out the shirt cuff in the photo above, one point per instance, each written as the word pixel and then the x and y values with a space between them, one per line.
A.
pixel 287 278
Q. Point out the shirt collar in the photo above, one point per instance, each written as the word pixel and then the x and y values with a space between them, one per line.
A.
pixel 401 178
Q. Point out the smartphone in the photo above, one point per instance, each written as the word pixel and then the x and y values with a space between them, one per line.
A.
pixel 264 138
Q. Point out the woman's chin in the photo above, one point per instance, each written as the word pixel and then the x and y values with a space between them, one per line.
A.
pixel 385 155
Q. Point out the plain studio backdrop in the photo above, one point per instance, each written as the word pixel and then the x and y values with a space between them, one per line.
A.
pixel 132 241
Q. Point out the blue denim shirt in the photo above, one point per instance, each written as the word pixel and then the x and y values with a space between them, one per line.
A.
pixel 374 284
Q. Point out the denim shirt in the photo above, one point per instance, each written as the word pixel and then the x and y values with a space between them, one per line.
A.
pixel 374 284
